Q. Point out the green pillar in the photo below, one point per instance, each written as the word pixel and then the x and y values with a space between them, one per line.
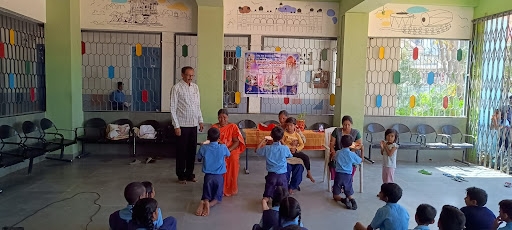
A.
pixel 63 64
pixel 350 95
pixel 210 61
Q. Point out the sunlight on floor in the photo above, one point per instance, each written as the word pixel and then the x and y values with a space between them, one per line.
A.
pixel 472 171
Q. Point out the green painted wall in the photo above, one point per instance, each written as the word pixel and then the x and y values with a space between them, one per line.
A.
pixel 351 94
pixel 490 7
pixel 210 61
pixel 63 64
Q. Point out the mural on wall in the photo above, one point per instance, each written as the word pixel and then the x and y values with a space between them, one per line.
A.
pixel 270 17
pixel 401 20
pixel 149 15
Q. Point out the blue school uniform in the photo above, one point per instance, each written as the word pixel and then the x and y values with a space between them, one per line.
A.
pixel 214 167
pixel 277 166
pixel 507 227
pixel 478 218
pixel 391 216
pixel 345 161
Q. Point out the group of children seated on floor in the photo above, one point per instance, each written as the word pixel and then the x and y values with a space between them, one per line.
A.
pixel 142 211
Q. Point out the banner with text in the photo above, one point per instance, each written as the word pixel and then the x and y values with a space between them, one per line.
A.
pixel 271 74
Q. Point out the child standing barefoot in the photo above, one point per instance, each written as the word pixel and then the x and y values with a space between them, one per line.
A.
pixel 214 167
pixel 388 149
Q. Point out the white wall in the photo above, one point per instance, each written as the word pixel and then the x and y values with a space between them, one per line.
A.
pixel 32 9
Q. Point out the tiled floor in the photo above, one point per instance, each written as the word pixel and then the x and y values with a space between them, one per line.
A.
pixel 107 175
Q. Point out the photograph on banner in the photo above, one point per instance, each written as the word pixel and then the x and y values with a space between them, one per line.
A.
pixel 271 74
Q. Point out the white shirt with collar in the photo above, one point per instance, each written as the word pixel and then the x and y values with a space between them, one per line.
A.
pixel 185 105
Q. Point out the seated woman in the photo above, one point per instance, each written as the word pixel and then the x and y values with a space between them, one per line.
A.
pixel 335 143
pixel 230 136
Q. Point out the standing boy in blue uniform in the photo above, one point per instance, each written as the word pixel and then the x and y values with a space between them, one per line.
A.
pixel 345 161
pixel 277 167
pixel 214 167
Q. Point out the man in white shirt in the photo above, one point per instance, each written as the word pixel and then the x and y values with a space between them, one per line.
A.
pixel 186 116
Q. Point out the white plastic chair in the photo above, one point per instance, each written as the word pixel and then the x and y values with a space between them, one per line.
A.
pixel 327 154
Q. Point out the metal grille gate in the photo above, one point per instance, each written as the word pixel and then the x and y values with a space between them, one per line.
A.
pixel 22 67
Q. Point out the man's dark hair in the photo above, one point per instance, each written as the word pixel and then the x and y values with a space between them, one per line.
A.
pixel 291 120
pixel 451 218
pixel 425 214
pixel 277 133
pixel 346 141
pixel 184 69
pixel 133 191
pixel 477 194
pixel 119 83
pixel 392 191
pixel 213 134
pixel 506 207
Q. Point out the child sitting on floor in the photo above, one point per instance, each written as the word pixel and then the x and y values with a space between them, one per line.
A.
pixel 425 215
pixel 276 164
pixel 132 193
pixel 477 216
pixel 270 216
pixel 344 160
pixel 505 216
pixel 150 193
pixel 145 213
pixel 289 214
pixel 391 216
pixel 451 218
pixel 293 140
pixel 214 167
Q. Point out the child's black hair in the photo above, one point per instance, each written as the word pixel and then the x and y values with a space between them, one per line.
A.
pixel 346 141
pixel 142 213
pixel 277 133
pixel 283 112
pixel 149 187
pixel 392 191
pixel 477 194
pixel 133 191
pixel 506 207
pixel 291 120
pixel 425 214
pixel 389 131
pixel 279 194
pixel 213 134
pixel 451 218
pixel 289 210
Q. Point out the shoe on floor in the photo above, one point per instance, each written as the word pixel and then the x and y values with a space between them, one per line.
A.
pixel 134 162
pixel 347 203
pixel 354 204
pixel 150 160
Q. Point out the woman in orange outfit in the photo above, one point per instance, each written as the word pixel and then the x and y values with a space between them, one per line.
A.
pixel 230 136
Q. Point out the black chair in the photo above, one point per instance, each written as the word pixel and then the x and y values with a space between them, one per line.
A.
pixel 448 132
pixel 16 148
pixel 371 130
pixel 130 138
pixel 94 132
pixel 404 130
pixel 158 136
pixel 272 122
pixel 33 139
pixel 48 128
pixel 316 126
pixel 7 160
pixel 246 124
pixel 424 131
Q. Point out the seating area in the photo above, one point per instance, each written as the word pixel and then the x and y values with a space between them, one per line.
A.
pixel 422 137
